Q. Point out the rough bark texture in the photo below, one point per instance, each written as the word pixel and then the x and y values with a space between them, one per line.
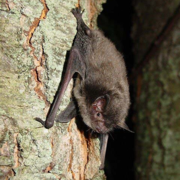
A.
pixel 158 97
pixel 35 37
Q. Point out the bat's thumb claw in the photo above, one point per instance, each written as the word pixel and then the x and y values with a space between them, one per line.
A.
pixel 46 124
pixel 40 120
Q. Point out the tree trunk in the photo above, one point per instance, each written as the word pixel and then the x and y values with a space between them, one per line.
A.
pixel 35 37
pixel 158 97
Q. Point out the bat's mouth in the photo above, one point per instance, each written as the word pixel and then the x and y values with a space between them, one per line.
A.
pixel 100 126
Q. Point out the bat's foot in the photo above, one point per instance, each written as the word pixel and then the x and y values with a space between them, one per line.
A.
pixel 77 12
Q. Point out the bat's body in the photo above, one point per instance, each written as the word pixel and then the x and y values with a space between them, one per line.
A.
pixel 101 89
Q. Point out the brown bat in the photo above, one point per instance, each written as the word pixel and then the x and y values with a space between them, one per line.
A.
pixel 101 89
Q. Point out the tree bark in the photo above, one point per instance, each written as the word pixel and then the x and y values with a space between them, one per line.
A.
pixel 157 95
pixel 35 37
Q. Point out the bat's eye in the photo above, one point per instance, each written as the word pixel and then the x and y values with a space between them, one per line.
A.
pixel 98 114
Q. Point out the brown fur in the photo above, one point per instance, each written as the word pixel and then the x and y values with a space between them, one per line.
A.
pixel 105 74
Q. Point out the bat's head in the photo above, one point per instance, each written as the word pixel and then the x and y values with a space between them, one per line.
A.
pixel 103 110
pixel 97 114
pixel 107 113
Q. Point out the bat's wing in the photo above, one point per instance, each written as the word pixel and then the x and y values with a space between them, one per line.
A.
pixel 75 64
pixel 69 113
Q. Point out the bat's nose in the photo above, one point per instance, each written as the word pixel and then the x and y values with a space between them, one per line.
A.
pixel 100 127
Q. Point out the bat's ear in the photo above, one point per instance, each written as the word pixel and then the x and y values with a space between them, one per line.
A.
pixel 102 102
pixel 124 126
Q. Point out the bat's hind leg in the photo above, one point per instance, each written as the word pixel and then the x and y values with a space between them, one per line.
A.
pixel 81 26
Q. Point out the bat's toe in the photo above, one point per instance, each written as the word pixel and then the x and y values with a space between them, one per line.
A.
pixel 77 12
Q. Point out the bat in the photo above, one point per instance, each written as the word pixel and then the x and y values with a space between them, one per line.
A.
pixel 101 88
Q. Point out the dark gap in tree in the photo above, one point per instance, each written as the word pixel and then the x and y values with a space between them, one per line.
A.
pixel 116 22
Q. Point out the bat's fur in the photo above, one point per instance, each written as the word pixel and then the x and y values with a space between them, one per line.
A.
pixel 105 74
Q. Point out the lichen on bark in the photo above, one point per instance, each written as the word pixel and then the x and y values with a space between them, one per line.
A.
pixel 35 37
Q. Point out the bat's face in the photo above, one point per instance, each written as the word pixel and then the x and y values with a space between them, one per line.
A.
pixel 108 112
pixel 98 114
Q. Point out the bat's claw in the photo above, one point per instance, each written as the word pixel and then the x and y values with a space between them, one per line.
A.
pixel 40 120
pixel 46 124
pixel 77 12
